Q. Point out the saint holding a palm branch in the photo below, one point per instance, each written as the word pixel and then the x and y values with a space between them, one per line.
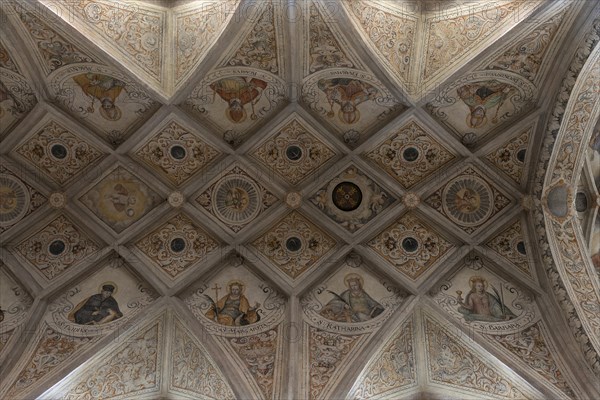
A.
pixel 480 305
pixel 352 305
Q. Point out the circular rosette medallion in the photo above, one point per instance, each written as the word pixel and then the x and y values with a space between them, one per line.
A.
pixel 468 201
pixel 14 200
pixel 237 200
pixel 346 196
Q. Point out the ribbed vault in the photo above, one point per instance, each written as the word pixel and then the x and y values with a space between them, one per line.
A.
pixel 299 199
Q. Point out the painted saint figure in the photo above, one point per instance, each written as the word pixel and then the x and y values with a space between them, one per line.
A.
pixel 467 200
pixel 122 200
pixel 481 97
pixel 238 91
pixel 233 309
pixel 353 305
pixel 105 89
pixel 348 94
pixel 481 305
pixel 97 309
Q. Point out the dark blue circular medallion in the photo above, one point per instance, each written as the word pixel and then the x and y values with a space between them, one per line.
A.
pixel 57 247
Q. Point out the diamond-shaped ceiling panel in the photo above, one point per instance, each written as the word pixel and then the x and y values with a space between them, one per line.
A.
pixel 469 200
pixel 410 246
pixel 176 153
pixel 236 198
pixel 57 246
pixel 294 244
pixel 58 152
pixel 510 158
pixel 351 199
pixel 119 199
pixel 176 244
pixel 410 155
pixel 293 152
pixel 511 245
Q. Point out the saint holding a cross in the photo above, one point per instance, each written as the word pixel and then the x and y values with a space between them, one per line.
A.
pixel 233 309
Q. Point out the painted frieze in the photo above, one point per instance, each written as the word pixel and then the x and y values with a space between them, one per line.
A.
pixel 52 349
pixel 325 49
pixel 392 369
pixel 261 354
pixel 531 346
pixel 133 33
pixel 193 372
pixel 451 38
pixel 452 362
pixel 259 48
pixel 196 28
pixel 327 356
pixel 391 35
pixel 130 369
pixel 526 56
pixel 54 49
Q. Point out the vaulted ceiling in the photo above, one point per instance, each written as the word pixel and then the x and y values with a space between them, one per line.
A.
pixel 443 157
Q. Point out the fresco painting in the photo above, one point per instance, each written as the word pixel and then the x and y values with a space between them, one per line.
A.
pixel 107 102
